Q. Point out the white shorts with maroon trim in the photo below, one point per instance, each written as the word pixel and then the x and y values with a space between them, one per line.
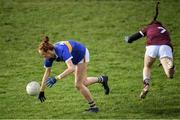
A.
pixel 159 51
pixel 86 57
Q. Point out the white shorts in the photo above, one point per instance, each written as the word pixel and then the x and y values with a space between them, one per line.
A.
pixel 86 57
pixel 159 51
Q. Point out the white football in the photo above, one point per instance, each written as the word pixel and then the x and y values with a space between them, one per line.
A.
pixel 33 88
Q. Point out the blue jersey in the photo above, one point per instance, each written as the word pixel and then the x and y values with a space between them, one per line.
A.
pixel 66 50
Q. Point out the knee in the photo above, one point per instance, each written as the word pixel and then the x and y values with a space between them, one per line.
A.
pixel 78 86
pixel 85 82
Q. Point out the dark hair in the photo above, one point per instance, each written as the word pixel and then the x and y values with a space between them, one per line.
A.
pixel 45 45
pixel 156 15
pixel 157 11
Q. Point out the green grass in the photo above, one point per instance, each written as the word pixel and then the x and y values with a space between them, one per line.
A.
pixel 101 26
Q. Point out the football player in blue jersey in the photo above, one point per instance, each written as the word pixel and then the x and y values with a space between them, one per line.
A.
pixel 76 57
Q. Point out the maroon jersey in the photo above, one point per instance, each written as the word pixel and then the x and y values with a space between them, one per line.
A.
pixel 156 34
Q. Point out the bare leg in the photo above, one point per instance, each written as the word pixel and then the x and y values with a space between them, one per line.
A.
pixel 103 80
pixel 148 62
pixel 80 76
pixel 90 81
pixel 167 64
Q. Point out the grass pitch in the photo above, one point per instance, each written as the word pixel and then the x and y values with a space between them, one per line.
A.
pixel 101 25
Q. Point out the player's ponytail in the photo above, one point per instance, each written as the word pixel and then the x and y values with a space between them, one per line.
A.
pixel 46 39
pixel 45 45
pixel 157 11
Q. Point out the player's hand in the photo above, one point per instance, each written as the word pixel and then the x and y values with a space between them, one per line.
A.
pixel 50 81
pixel 41 97
pixel 126 39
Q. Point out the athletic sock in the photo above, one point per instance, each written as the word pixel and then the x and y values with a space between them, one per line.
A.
pixel 92 104
pixel 100 79
pixel 146 82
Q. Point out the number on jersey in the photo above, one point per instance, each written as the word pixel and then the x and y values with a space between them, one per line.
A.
pixel 163 30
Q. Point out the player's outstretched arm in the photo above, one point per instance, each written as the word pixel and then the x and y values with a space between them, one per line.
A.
pixel 134 37
pixel 41 96
pixel 69 70
pixel 52 80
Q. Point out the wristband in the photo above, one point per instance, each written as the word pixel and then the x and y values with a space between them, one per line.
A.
pixel 59 76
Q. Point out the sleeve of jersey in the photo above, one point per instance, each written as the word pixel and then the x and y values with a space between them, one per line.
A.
pixel 66 55
pixel 48 63
pixel 143 32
